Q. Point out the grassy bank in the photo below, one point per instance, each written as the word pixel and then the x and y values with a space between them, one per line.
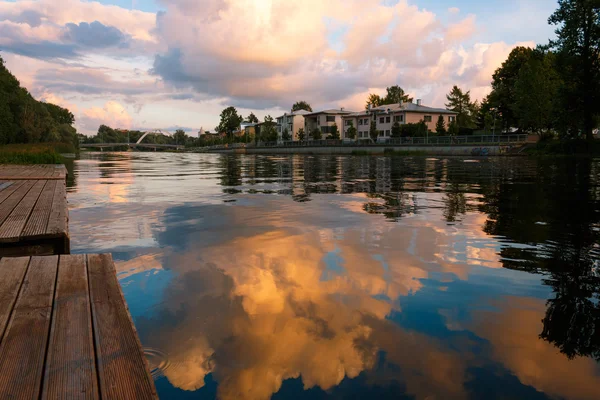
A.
pixel 39 153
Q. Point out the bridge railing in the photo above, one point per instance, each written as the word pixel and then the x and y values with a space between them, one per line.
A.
pixel 405 141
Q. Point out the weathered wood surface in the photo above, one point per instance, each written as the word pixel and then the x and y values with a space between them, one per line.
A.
pixel 11 172
pixel 33 215
pixel 66 332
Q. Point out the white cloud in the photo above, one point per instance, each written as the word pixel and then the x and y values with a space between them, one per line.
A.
pixel 263 54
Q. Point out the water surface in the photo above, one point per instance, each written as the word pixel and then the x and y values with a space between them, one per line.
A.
pixel 316 277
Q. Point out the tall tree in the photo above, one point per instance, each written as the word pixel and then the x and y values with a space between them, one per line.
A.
pixel 502 98
pixel 252 118
pixel 285 135
pixel 373 131
pixel 268 132
pixel 301 105
pixel 59 114
pixel 374 100
pixel 301 135
pixel 460 102
pixel 335 132
pixel 535 93
pixel 180 137
pixel 578 44
pixel 230 121
pixel 440 126
pixel 395 94
pixel 351 132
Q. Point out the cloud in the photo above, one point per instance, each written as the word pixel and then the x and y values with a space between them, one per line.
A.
pixel 112 114
pixel 94 35
pixel 453 10
pixel 279 51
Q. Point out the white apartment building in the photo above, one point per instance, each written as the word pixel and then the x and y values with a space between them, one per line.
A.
pixel 324 120
pixel 293 121
pixel 386 115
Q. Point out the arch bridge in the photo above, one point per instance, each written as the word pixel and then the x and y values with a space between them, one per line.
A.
pixel 138 143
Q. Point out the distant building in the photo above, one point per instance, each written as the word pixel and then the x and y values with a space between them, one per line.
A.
pixel 292 121
pixel 386 115
pixel 324 120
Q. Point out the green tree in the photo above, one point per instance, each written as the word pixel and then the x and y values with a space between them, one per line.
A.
pixel 440 126
pixel 230 121
pixel 60 115
pixel 351 132
pixel 335 132
pixel 488 122
pixel 252 118
pixel 301 135
pixel 374 100
pixel 316 134
pixel 536 90
pixel 180 137
pixel 453 128
pixel 578 46
pixel 373 131
pixel 285 135
pixel 268 131
pixel 460 103
pixel 396 130
pixel 503 97
pixel 395 94
pixel 301 105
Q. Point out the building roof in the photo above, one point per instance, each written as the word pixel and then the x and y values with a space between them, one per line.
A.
pixel 335 111
pixel 406 107
pixel 294 113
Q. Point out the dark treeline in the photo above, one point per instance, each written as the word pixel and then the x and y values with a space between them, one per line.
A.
pixel 23 119
pixel 554 88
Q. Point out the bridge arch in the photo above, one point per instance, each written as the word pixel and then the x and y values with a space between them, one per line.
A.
pixel 152 132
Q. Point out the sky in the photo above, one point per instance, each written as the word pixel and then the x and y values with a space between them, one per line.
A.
pixel 168 64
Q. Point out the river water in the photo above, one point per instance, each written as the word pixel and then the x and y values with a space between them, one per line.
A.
pixel 315 277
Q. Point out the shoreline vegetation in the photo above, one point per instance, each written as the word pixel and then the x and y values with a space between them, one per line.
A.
pixel 38 153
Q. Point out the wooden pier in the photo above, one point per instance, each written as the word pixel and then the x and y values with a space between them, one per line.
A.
pixel 33 210
pixel 66 331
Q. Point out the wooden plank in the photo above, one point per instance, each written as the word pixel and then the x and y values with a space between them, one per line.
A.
pixel 38 220
pixel 13 225
pixel 122 368
pixel 57 222
pixel 23 347
pixel 36 172
pixel 4 185
pixel 12 271
pixel 70 364
pixel 10 190
pixel 13 200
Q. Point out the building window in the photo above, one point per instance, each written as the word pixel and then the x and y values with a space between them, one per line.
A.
pixel 330 118
pixel 381 120
pixel 380 133
pixel 427 118
pixel 387 132
pixel 366 121
pixel 387 120
pixel 451 118
pixel 360 121
pixel 398 118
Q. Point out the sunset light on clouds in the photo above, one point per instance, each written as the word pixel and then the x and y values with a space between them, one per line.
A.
pixel 160 64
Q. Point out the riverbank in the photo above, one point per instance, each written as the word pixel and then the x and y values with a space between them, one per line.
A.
pixel 416 150
pixel 38 153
